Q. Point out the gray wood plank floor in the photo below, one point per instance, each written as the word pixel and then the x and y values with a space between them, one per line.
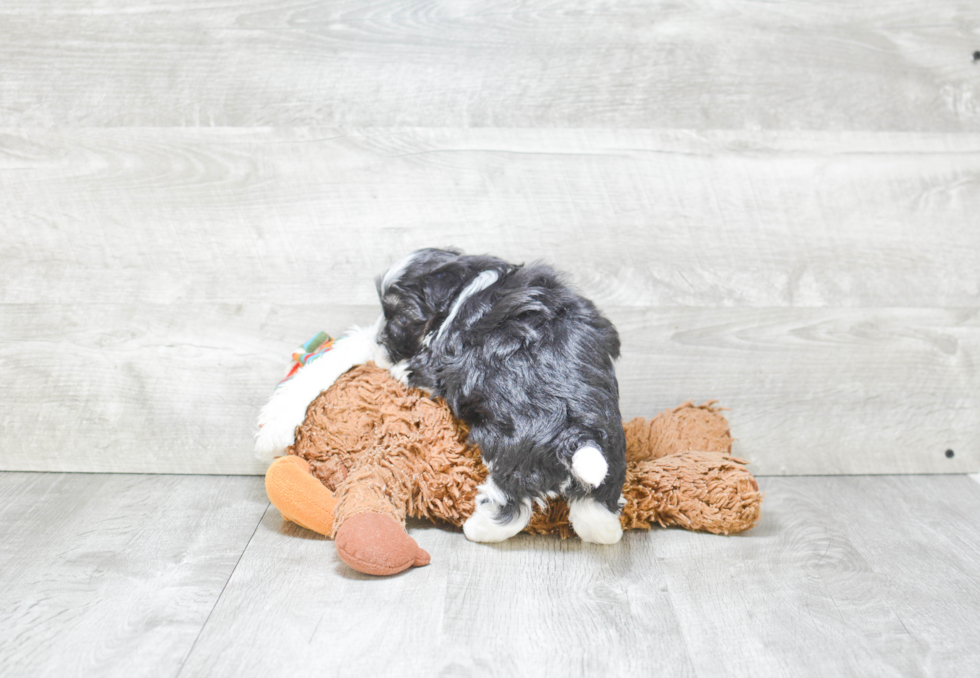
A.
pixel 121 575
pixel 115 575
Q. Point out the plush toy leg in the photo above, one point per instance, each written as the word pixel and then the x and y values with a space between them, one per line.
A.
pixel 370 522
pixel 695 490
pixel 300 497
pixel 374 543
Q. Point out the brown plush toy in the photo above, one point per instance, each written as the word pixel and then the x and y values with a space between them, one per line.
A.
pixel 371 453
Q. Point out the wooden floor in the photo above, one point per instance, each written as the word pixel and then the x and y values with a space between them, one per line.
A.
pixel 130 575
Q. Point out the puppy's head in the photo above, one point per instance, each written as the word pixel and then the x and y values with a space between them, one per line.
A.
pixel 418 292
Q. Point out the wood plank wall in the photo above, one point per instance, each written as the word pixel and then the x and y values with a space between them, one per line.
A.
pixel 777 203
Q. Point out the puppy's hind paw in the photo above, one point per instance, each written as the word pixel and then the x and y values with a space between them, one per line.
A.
pixel 594 523
pixel 483 525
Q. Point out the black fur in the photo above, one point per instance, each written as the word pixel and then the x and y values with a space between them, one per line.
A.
pixel 527 364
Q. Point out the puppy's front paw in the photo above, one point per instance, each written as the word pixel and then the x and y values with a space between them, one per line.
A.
pixel 594 523
pixel 400 372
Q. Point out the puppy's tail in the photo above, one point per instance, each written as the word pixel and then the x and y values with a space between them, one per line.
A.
pixel 589 465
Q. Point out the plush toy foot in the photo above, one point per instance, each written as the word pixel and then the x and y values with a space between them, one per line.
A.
pixel 300 497
pixel 374 543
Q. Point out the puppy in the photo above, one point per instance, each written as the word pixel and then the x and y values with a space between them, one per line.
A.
pixel 523 360
pixel 527 364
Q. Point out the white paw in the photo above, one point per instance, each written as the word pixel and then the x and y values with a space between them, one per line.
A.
pixel 594 523
pixel 400 372
pixel 483 526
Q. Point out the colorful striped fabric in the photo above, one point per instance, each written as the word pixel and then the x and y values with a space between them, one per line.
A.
pixel 307 353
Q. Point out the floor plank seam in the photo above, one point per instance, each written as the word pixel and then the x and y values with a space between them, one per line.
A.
pixel 222 593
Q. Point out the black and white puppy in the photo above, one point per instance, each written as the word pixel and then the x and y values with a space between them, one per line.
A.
pixel 522 359
pixel 527 364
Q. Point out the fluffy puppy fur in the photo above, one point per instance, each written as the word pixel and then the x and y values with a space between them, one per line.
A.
pixel 527 364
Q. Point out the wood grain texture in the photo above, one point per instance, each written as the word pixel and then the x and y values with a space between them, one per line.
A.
pixel 177 389
pixel 143 389
pixel 893 65
pixel 109 575
pixel 636 217
pixel 843 577
pixel 816 391
pixel 940 602
pixel 533 605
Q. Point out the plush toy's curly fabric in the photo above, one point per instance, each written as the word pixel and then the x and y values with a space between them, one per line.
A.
pixel 385 449
pixel 686 427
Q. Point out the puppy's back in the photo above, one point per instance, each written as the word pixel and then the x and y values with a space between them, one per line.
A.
pixel 530 370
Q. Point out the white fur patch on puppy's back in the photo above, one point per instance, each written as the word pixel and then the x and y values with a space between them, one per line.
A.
pixel 589 466
pixel 478 284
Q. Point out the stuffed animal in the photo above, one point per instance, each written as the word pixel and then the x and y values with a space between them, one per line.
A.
pixel 372 452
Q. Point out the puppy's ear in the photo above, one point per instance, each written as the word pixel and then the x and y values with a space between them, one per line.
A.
pixel 444 284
